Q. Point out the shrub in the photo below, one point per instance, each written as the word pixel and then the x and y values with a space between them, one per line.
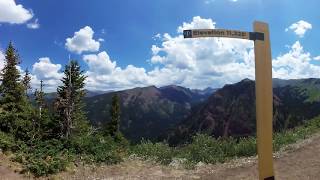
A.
pixel 43 158
pixel 97 148
pixel 6 141
pixel 203 148
pixel 160 152
pixel 206 149
pixel 246 147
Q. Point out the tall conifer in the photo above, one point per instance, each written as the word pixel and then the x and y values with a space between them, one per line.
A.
pixel 69 103
pixel 16 110
pixel 114 125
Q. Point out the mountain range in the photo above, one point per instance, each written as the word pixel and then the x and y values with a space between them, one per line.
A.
pixel 230 111
pixel 174 113
pixel 147 112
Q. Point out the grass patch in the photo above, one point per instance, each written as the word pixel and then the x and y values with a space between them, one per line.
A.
pixel 160 152
pixel 207 149
pixel 52 156
pixel 46 157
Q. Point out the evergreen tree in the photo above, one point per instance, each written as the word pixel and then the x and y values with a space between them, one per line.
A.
pixel 16 110
pixel 114 124
pixel 69 103
pixel 39 98
pixel 26 81
pixel 44 125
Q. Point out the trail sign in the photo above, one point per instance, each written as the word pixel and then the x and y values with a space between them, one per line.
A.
pixel 264 97
pixel 197 33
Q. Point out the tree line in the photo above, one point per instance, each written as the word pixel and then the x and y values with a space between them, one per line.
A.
pixel 29 119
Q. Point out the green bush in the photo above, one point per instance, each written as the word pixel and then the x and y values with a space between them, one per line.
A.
pixel 246 147
pixel 203 148
pixel 6 141
pixel 43 158
pixel 291 136
pixel 97 149
pixel 160 152
pixel 52 156
pixel 206 149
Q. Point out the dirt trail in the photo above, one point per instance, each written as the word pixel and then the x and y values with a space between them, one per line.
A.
pixel 299 161
pixel 8 169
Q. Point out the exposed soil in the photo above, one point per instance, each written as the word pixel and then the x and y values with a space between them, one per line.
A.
pixel 8 169
pixel 296 162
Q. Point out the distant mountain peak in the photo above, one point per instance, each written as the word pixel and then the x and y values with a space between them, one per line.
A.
pixel 246 80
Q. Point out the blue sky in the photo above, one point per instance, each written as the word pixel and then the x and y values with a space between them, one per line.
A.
pixel 125 43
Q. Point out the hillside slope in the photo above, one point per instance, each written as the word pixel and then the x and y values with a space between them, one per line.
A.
pixel 146 112
pixel 230 111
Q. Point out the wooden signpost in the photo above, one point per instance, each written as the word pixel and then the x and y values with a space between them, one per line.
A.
pixel 264 97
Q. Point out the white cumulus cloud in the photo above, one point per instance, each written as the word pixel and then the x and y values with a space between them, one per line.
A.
pixel 103 74
pixel 33 25
pixel 193 63
pixel 47 71
pixel 295 64
pixel 198 63
pixel 317 58
pixel 83 41
pixel 100 63
pixel 13 13
pixel 197 22
pixel 300 27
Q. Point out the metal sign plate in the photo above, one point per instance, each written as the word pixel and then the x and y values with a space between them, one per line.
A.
pixel 198 33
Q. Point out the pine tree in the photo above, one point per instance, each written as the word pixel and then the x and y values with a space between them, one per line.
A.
pixel 10 87
pixel 16 110
pixel 114 124
pixel 44 125
pixel 26 81
pixel 39 98
pixel 69 103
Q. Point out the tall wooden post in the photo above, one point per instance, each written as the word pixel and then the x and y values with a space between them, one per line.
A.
pixel 264 97
pixel 264 100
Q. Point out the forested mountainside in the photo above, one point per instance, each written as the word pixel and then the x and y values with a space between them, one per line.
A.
pixel 230 111
pixel 176 113
pixel 148 111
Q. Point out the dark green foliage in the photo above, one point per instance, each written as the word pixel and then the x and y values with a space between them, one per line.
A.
pixel 112 128
pixel 204 148
pixel 97 148
pixel 230 111
pixel 45 125
pixel 69 105
pixel 39 98
pixel 26 81
pixel 54 155
pixel 160 152
pixel 293 135
pixel 44 157
pixel 16 110
pixel 146 112
pixel 33 133
pixel 7 141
